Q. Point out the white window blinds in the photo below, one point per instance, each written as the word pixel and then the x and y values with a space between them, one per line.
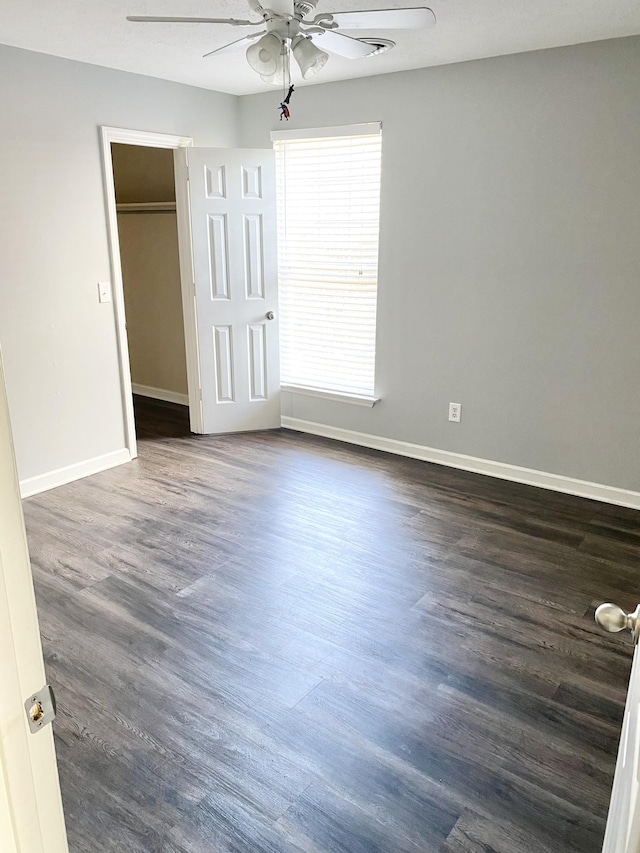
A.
pixel 328 186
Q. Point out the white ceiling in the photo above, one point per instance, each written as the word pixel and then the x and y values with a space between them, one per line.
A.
pixel 96 31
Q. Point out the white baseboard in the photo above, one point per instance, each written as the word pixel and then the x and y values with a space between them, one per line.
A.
pixel 62 476
pixel 529 476
pixel 160 394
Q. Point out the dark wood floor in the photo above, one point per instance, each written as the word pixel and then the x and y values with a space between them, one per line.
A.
pixel 276 643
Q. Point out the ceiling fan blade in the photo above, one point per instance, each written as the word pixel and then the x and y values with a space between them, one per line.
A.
pixel 147 19
pixel 386 19
pixel 235 45
pixel 342 45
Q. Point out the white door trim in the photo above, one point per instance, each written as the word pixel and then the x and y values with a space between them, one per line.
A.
pixel 187 282
pixel 149 140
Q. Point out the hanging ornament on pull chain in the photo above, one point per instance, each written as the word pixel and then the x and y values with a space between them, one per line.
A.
pixel 284 106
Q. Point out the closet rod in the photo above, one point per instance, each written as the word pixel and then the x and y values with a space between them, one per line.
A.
pixel 147 207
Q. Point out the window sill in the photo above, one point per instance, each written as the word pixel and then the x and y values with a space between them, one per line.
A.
pixel 338 396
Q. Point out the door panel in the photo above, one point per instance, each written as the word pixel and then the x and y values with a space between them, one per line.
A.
pixel 233 228
pixel 623 823
pixel 31 816
pixel 622 834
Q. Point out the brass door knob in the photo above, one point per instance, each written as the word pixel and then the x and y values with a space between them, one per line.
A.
pixel 612 618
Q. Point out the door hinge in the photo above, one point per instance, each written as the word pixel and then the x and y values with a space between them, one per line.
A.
pixel 41 708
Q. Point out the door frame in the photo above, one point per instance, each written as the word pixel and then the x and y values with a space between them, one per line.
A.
pixel 149 139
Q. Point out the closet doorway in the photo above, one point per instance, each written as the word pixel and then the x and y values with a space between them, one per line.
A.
pixel 144 184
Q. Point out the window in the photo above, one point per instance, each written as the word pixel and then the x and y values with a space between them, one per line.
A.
pixel 328 185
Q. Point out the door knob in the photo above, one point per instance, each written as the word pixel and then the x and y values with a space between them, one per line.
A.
pixel 613 619
pixel 270 315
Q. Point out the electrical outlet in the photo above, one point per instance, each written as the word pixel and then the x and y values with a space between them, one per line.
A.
pixel 104 291
pixel 455 412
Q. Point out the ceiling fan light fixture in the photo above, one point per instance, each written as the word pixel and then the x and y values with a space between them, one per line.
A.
pixel 309 57
pixel 277 78
pixel 264 55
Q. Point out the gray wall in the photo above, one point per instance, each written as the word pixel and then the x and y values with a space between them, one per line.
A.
pixel 509 276
pixel 58 342
pixel 509 258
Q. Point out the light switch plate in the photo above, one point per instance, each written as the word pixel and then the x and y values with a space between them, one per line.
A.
pixel 104 291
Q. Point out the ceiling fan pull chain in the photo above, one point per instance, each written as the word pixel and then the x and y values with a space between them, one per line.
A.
pixel 286 79
pixel 285 56
pixel 287 62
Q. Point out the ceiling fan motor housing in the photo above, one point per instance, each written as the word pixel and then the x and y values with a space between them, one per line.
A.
pixel 302 8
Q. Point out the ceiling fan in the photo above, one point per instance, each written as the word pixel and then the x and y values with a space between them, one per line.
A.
pixel 286 28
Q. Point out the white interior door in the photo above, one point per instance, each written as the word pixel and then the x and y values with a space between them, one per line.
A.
pixel 622 834
pixel 31 819
pixel 623 824
pixel 234 266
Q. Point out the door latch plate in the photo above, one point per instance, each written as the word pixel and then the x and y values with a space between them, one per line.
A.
pixel 41 708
